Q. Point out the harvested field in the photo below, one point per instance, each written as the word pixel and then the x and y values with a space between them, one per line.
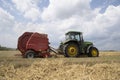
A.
pixel 105 67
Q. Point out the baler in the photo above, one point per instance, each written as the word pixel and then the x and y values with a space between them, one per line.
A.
pixel 32 45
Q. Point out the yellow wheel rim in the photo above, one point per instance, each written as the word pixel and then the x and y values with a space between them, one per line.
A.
pixel 94 52
pixel 72 51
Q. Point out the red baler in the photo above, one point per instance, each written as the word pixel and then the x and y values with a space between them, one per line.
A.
pixel 34 45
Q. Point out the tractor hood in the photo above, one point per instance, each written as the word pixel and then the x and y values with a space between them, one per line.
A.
pixel 68 40
pixel 88 43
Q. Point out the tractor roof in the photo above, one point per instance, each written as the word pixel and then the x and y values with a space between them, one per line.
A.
pixel 75 32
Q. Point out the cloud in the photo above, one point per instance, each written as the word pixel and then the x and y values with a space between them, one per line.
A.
pixel 7 37
pixel 105 29
pixel 33 14
pixel 28 8
pixel 65 9
pixel 6 20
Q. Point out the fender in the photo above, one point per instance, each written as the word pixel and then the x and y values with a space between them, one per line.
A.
pixel 89 48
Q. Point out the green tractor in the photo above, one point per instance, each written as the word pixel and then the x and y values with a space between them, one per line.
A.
pixel 74 46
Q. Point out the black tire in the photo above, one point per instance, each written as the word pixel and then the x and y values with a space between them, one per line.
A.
pixel 71 50
pixel 30 54
pixel 93 52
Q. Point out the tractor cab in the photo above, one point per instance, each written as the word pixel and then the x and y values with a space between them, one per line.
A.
pixel 72 35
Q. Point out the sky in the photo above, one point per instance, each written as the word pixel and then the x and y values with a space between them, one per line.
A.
pixel 97 19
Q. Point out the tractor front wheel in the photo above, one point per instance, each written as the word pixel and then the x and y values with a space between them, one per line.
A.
pixel 71 50
pixel 93 52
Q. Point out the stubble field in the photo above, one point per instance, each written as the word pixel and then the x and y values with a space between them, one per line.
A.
pixel 105 67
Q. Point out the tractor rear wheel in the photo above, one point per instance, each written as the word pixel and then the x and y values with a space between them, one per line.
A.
pixel 71 50
pixel 93 52
pixel 30 54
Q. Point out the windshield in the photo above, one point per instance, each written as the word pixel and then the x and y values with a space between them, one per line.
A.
pixel 73 36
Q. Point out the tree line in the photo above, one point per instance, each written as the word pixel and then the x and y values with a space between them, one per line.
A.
pixel 2 48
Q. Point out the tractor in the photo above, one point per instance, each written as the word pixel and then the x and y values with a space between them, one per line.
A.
pixel 74 46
